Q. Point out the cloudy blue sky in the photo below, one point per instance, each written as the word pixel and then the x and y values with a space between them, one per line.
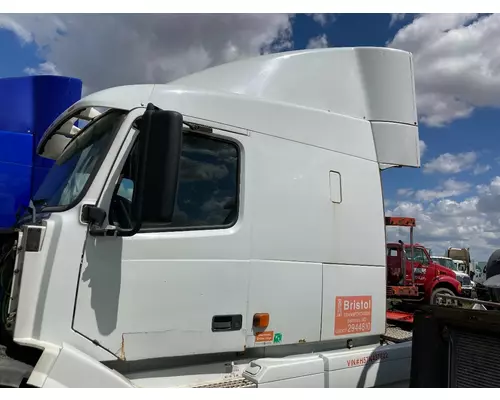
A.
pixel 455 196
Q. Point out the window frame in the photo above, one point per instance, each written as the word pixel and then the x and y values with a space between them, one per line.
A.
pixel 389 251
pixel 158 228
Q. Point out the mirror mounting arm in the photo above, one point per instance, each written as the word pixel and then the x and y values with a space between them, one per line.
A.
pixel 95 216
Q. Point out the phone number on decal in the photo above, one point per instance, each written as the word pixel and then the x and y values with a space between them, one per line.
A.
pixel 359 327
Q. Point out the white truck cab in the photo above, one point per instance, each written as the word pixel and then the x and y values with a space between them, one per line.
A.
pixel 208 230
pixel 458 267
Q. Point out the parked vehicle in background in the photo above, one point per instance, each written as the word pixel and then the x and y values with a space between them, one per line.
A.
pixel 450 342
pixel 479 278
pixel 422 279
pixel 480 272
pixel 462 277
pixel 460 265
pixel 463 255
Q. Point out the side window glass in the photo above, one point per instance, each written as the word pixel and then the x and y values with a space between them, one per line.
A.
pixel 126 189
pixel 423 257
pixel 208 186
pixel 418 255
pixel 207 195
pixel 392 252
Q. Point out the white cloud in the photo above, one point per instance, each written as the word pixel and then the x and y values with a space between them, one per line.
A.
pixel 493 188
pixel 490 197
pixel 451 163
pixel 423 148
pixel 108 50
pixel 454 185
pixel 450 188
pixel 457 64
pixel 318 42
pixel 320 19
pixel 481 169
pixel 405 192
pixel 323 19
pixel 46 68
pixel 446 222
pixel 395 18
pixel 8 23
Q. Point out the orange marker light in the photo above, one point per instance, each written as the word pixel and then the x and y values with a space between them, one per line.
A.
pixel 261 320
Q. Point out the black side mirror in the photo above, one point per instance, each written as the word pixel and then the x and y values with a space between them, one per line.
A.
pixel 93 215
pixel 160 146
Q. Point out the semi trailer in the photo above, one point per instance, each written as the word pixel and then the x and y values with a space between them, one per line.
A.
pixel 206 232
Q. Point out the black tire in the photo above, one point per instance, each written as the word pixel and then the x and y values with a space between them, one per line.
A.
pixel 442 290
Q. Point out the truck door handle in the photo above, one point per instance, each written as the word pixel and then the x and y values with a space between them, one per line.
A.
pixel 227 323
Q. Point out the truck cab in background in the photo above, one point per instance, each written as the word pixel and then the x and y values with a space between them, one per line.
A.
pixel 460 265
pixel 462 277
pixel 430 277
pixel 462 257
pixel 28 105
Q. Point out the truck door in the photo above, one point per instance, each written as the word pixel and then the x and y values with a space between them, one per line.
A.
pixel 394 265
pixel 421 262
pixel 178 289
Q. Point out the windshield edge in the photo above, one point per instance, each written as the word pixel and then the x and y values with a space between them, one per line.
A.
pixel 60 208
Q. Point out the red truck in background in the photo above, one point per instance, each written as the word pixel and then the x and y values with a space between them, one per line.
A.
pixel 412 276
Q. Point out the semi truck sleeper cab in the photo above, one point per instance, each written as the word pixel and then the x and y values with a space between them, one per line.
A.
pixel 214 223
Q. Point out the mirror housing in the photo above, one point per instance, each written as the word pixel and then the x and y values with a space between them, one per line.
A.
pixel 93 215
pixel 160 146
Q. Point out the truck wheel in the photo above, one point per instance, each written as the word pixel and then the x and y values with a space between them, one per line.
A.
pixel 435 301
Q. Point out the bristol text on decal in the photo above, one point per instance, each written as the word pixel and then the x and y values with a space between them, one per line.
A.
pixel 356 305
